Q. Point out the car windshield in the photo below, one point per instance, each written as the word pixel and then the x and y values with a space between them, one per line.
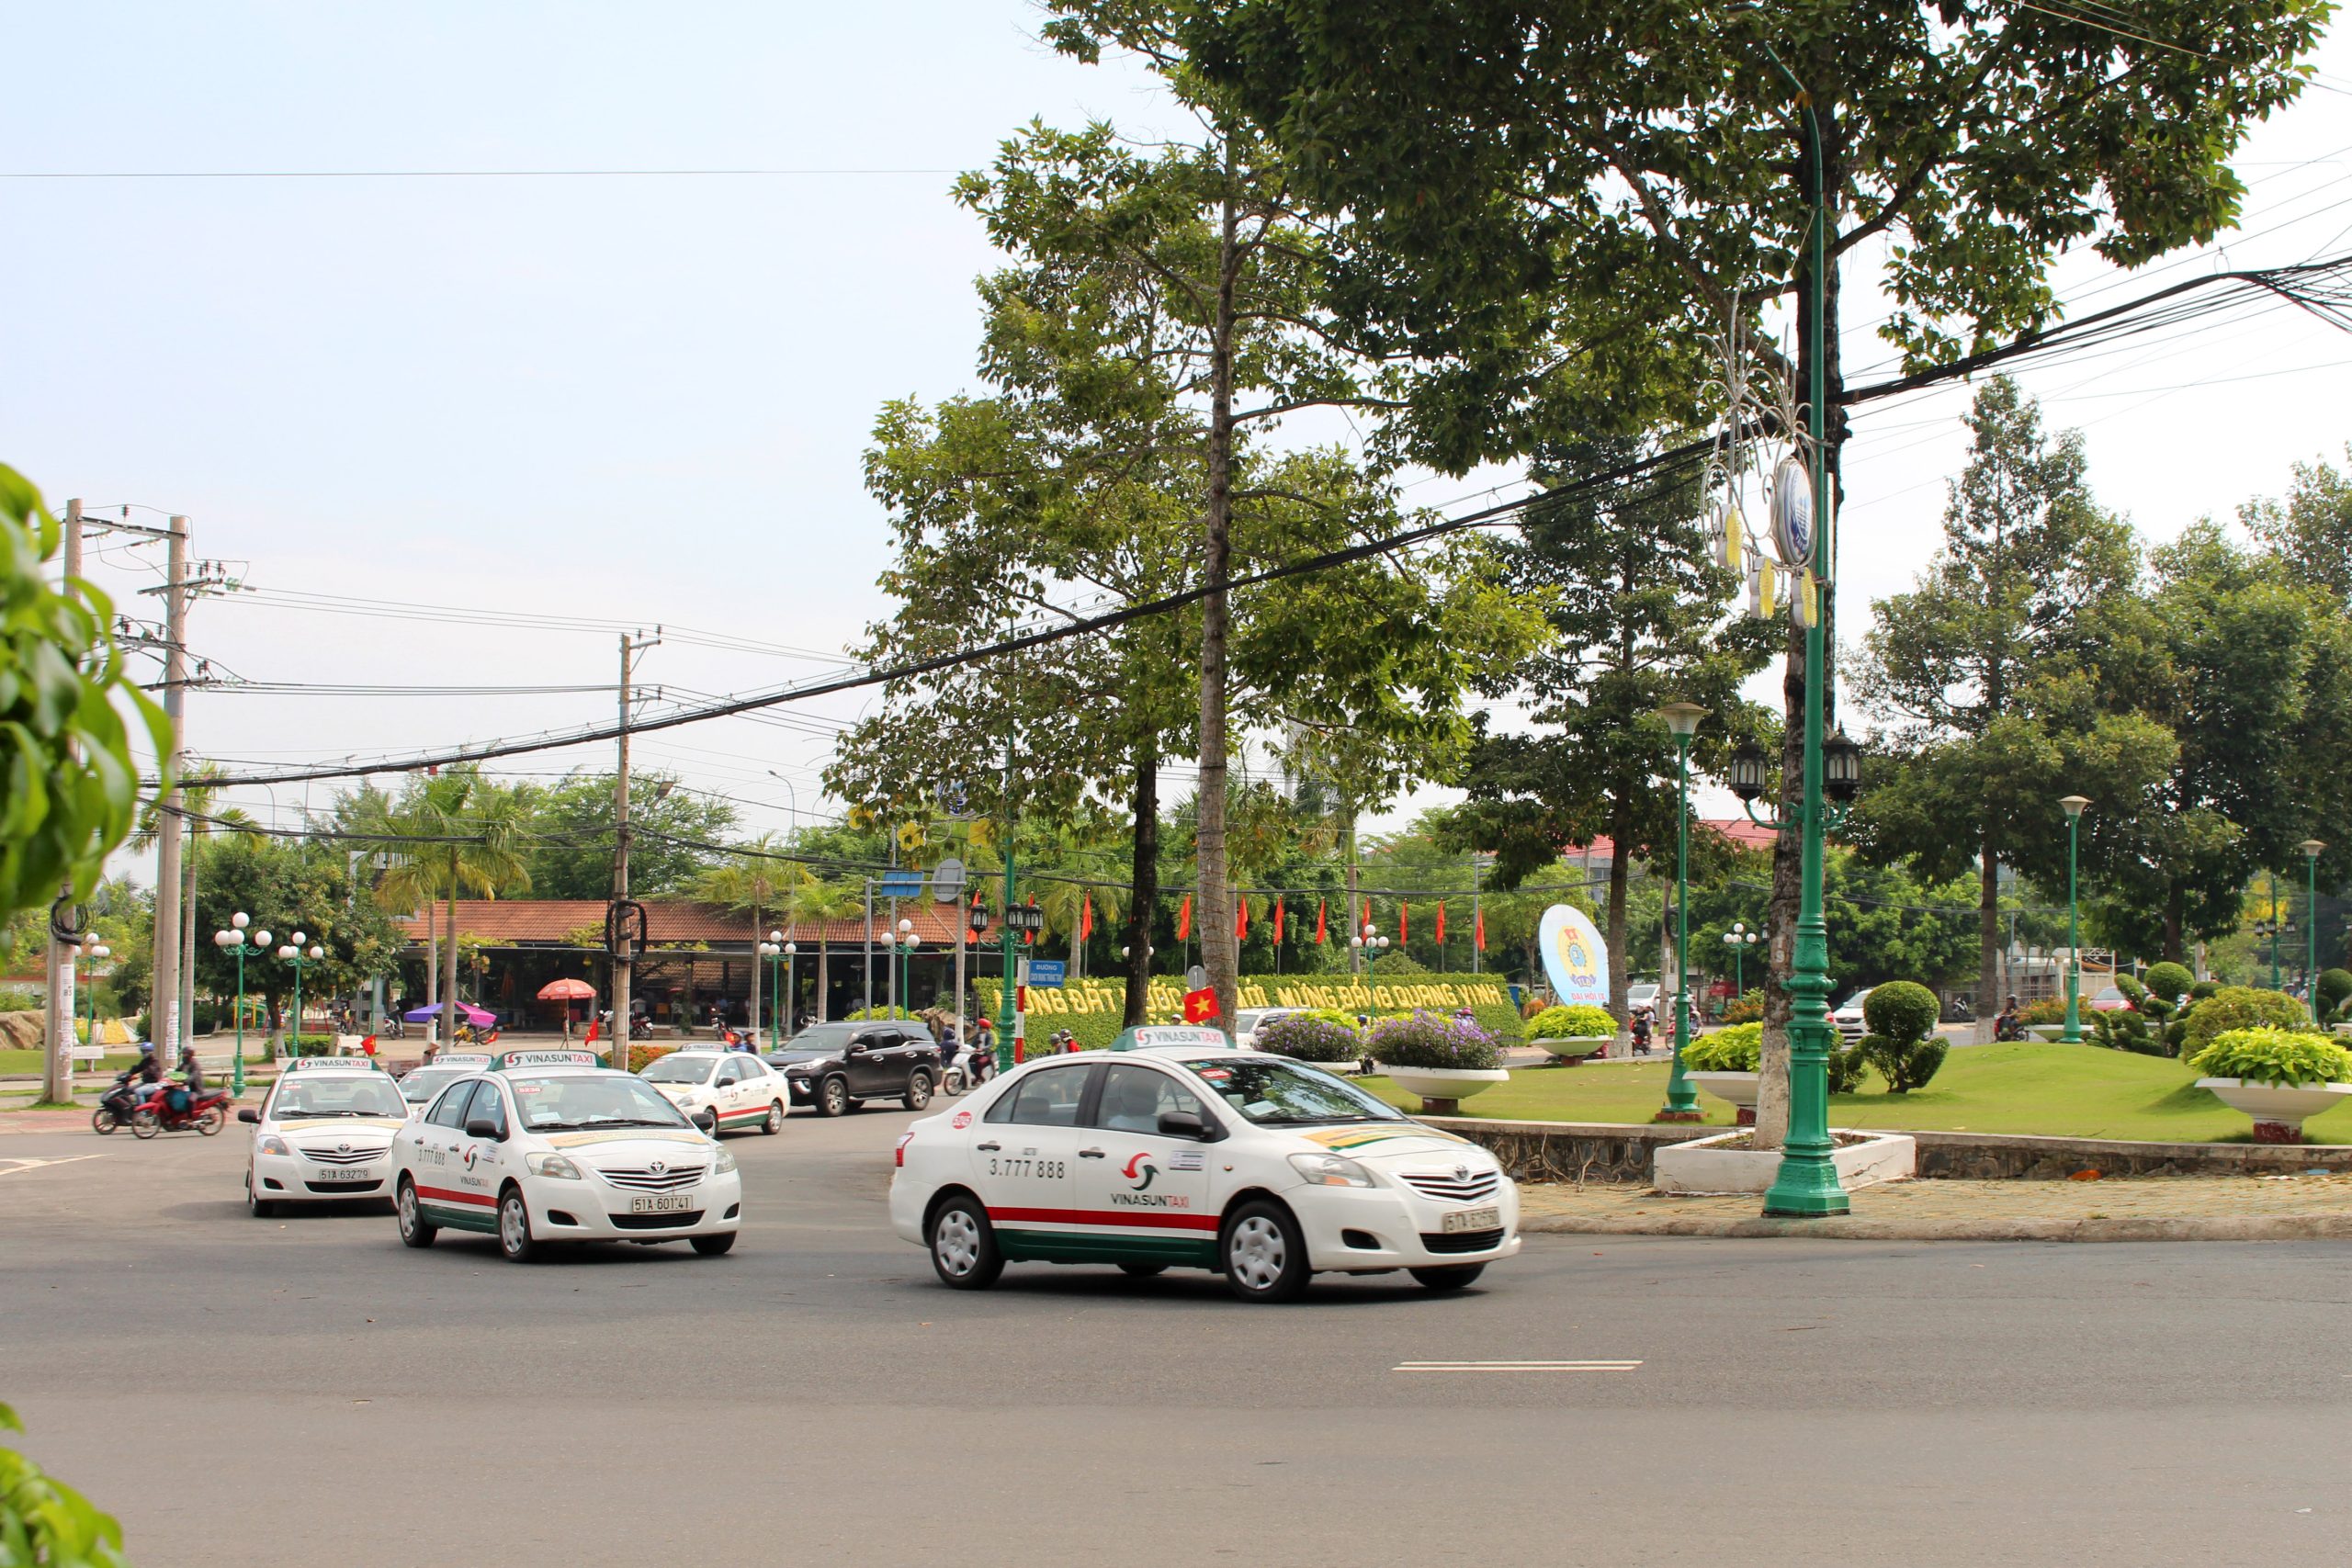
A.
pixel 1271 1092
pixel 371 1096
pixel 426 1082
pixel 825 1037
pixel 578 1101
pixel 679 1069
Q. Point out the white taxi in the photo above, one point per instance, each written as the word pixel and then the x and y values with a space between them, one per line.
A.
pixel 1174 1149
pixel 546 1146
pixel 321 1133
pixel 727 1091
pixel 419 1086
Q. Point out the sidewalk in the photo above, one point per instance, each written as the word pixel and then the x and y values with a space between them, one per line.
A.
pixel 2303 1207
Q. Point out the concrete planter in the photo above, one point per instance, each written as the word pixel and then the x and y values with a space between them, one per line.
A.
pixel 1574 1048
pixel 2053 1032
pixel 1738 1089
pixel 2279 1109
pixel 1700 1165
pixel 1441 1089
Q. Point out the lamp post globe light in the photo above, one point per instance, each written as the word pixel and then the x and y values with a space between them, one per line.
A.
pixel 302 958
pixel 1740 939
pixel 94 951
pixel 233 941
pixel 2310 848
pixel 2074 1035
pixel 771 951
pixel 1681 1100
pixel 1371 943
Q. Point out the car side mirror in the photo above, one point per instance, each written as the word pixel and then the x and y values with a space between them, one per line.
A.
pixel 483 1127
pixel 249 1116
pixel 707 1118
pixel 1182 1124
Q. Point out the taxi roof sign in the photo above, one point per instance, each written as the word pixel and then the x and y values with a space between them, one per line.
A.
pixel 1188 1036
pixel 314 1064
pixel 461 1059
pixel 508 1061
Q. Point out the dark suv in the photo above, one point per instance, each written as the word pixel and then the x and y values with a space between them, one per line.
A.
pixel 833 1067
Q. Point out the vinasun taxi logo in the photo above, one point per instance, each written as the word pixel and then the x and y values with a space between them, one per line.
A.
pixel 1142 1171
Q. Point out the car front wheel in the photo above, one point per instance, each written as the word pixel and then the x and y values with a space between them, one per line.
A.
pixel 833 1097
pixel 712 1245
pixel 515 1237
pixel 963 1246
pixel 775 1124
pixel 918 1093
pixel 1264 1255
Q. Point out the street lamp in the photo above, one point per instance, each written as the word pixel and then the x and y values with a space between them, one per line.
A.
pixel 233 940
pixel 1681 1100
pixel 771 951
pixel 294 953
pixel 2074 1035
pixel 1372 945
pixel 95 951
pixel 2310 848
pixel 903 975
pixel 2267 930
pixel 1740 939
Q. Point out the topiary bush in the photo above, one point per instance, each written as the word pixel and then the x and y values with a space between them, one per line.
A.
pixel 2238 1006
pixel 1734 1050
pixel 1905 1065
pixel 1428 1040
pixel 1846 1065
pixel 2133 992
pixel 2203 988
pixel 1309 1037
pixel 1901 1009
pixel 1569 1022
pixel 2334 987
pixel 1902 1043
pixel 2169 981
pixel 2124 1030
pixel 2282 1056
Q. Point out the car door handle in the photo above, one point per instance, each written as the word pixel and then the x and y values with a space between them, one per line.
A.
pixel 991 1148
pixel 1090 1153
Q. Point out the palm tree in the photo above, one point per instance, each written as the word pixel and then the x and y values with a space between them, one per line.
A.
pixel 753 879
pixel 810 898
pixel 455 833
pixel 1064 902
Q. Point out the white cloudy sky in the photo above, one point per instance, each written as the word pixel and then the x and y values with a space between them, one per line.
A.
pixel 644 400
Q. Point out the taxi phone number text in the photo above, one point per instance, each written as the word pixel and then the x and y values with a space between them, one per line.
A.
pixel 1049 1169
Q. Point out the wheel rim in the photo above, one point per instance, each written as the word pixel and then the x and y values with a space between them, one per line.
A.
pixel 514 1226
pixel 1256 1252
pixel 836 1097
pixel 775 1117
pixel 408 1209
pixel 919 1089
pixel 955 1242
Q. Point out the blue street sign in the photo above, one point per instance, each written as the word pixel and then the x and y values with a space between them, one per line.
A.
pixel 1046 971
pixel 899 885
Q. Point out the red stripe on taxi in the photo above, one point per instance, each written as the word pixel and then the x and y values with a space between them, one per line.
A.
pixel 1129 1219
pixel 450 1195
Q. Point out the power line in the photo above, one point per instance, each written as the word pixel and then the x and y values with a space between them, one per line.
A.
pixel 459 174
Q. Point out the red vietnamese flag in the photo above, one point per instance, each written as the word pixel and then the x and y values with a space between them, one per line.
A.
pixel 1241 920
pixel 1278 922
pixel 1441 923
pixel 1478 928
pixel 1404 922
pixel 1200 1005
pixel 1318 923
pixel 1085 918
pixel 593 1025
pixel 1184 919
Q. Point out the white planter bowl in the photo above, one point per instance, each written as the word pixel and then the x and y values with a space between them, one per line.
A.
pixel 2289 1105
pixel 1448 1083
pixel 2053 1032
pixel 1699 1167
pixel 1739 1089
pixel 1571 1047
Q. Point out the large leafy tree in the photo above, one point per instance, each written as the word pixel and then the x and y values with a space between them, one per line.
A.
pixel 288 888
pixel 753 881
pixel 570 851
pixel 447 836
pixel 1986 671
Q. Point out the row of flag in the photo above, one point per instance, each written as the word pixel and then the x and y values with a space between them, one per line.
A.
pixel 1241 921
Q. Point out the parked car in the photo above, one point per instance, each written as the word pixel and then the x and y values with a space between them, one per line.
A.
pixel 1847 1017
pixel 1643 993
pixel 833 1067
pixel 1246 1023
pixel 2111 999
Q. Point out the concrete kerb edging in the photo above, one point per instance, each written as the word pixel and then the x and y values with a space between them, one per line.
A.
pixel 1848 1227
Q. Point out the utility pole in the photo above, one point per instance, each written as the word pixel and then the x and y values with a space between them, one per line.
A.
pixel 57 1071
pixel 1475 927
pixel 165 990
pixel 623 944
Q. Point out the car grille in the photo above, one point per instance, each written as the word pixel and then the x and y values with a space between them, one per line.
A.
pixel 640 1180
pixel 1463 1241
pixel 655 1222
pixel 327 1154
pixel 344 1186
pixel 1452 1189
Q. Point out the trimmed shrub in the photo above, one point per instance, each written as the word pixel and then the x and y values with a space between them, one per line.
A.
pixel 2124 1030
pixel 2239 1007
pixel 862 1014
pixel 1309 1037
pixel 2133 992
pixel 1427 1040
pixel 2170 982
pixel 1567 1022
pixel 1745 1010
pixel 2203 988
pixel 2286 1057
pixel 1906 1064
pixel 1901 1009
pixel 1734 1050
pixel 2051 1012
pixel 2334 987
pixel 1846 1065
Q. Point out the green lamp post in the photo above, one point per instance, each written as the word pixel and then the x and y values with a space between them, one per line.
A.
pixel 2266 931
pixel 1681 1100
pixel 902 953
pixel 233 940
pixel 2074 1035
pixel 2310 848
pixel 1369 942
pixel 94 951
pixel 772 951
pixel 1740 939
pixel 294 953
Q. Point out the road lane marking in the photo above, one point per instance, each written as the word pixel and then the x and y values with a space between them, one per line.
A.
pixel 18 1165
pixel 1549 1366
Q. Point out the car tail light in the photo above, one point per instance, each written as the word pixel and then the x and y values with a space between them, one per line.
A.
pixel 898 1155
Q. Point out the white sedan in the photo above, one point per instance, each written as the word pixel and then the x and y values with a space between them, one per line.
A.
pixel 1187 1153
pixel 321 1134
pixel 727 1091
pixel 555 1146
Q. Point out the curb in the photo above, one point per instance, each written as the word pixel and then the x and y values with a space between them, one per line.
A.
pixel 1846 1227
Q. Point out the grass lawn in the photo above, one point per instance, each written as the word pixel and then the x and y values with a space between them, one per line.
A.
pixel 2074 1091
pixel 29 1062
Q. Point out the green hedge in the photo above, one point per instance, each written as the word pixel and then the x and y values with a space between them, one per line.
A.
pixel 1090 1010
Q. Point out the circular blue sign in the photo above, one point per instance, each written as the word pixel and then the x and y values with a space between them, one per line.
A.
pixel 1792 513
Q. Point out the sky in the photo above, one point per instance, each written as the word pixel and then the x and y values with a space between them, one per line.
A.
pixel 589 402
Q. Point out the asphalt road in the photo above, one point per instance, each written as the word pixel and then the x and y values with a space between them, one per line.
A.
pixel 242 1391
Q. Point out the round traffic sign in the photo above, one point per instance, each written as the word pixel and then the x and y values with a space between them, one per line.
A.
pixel 947 880
pixel 1196 978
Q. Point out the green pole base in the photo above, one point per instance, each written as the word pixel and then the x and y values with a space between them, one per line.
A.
pixel 2070 1037
pixel 1807 1187
pixel 1672 1114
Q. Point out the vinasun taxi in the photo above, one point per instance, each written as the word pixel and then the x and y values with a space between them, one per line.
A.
pixel 1174 1149
pixel 545 1146
pixel 323 1134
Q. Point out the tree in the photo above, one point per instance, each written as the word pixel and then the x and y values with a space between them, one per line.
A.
pixel 286 888
pixel 1546 208
pixel 569 853
pixel 1638 615
pixel 451 833
pixel 810 898
pixel 1981 670
pixel 203 816
pixel 754 879
pixel 2311 531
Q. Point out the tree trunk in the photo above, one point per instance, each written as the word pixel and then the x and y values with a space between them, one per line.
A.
pixel 448 973
pixel 824 951
pixel 2174 922
pixel 1620 976
pixel 1145 873
pixel 1988 935
pixel 1218 953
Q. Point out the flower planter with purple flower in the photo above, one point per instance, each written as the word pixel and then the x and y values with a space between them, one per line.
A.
pixel 1442 1060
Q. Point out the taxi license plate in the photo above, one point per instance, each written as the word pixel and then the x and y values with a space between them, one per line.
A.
pixel 1470 1220
pixel 666 1203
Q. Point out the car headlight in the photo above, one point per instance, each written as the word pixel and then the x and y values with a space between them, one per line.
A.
pixel 1330 1170
pixel 270 1143
pixel 557 1165
pixel 724 1164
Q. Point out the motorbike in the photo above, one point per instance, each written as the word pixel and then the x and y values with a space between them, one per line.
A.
pixel 2009 1027
pixel 206 1112
pixel 116 1104
pixel 1957 1011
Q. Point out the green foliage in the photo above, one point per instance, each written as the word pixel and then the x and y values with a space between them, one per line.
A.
pixel 2202 989
pixel 1901 1011
pixel 1310 1037
pixel 1748 1008
pixel 1845 1063
pixel 2170 982
pixel 2240 1006
pixel 20 999
pixel 2052 1010
pixel 2126 1029
pixel 2273 1055
pixel 2133 992
pixel 1734 1050
pixel 1427 1040
pixel 2334 988
pixel 45 1523
pixel 1906 1064
pixel 861 1014
pixel 1559 1022
pixel 570 854
pixel 69 782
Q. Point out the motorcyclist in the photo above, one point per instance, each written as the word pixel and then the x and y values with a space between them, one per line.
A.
pixel 1640 1025
pixel 148 1071
pixel 191 1081
pixel 2006 1027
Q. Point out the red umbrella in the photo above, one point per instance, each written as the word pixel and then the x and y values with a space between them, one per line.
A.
pixel 566 991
